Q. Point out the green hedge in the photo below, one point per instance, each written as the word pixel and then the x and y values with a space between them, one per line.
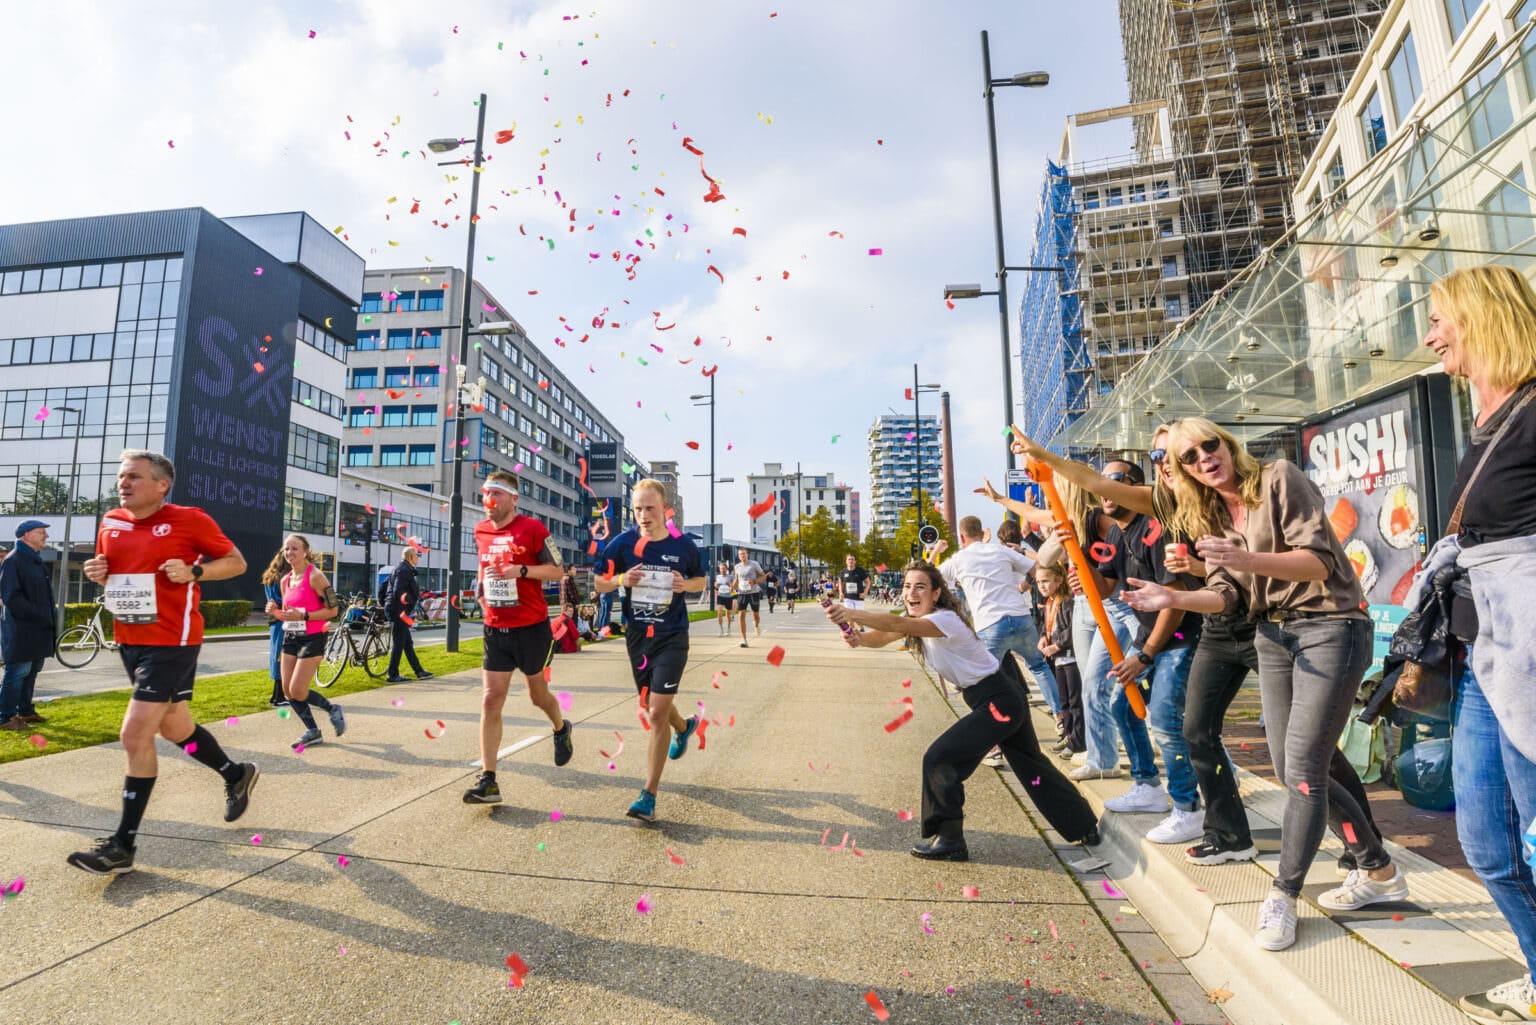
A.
pixel 215 614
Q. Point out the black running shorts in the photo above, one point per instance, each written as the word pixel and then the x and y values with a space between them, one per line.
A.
pixel 663 658
pixel 524 649
pixel 304 645
pixel 160 672
pixel 748 601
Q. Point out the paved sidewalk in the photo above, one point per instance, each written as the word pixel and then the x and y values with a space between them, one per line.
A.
pixel 757 909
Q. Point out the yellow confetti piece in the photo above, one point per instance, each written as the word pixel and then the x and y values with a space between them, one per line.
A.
pixel 338 229
pixel 394 243
pixel 391 199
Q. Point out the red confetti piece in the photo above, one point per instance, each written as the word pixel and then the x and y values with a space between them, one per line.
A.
pixel 617 751
pixel 776 656
pixel 876 1005
pixel 739 231
pixel 703 725
pixel 407 620
pixel 676 859
pixel 714 681
pixel 1304 788
pixel 1349 833
pixel 1154 532
pixel 692 444
pixel 38 741
pixel 1101 552
pixel 1000 717
pixel 898 722
pixel 904 816
pixel 582 462
pixel 442 728
pixel 258 368
pixel 970 892
pixel 754 511
pixel 519 969
pixel 712 269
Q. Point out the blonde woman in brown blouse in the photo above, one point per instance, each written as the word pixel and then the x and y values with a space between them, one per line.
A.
pixel 1264 536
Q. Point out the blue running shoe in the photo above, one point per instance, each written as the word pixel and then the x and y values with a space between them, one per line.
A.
pixel 680 740
pixel 644 807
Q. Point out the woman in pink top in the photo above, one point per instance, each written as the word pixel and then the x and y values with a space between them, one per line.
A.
pixel 308 603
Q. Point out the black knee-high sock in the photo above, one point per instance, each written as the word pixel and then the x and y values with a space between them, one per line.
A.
pixel 136 790
pixel 301 709
pixel 319 700
pixel 202 746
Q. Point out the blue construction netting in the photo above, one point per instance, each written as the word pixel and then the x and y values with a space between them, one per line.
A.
pixel 1055 371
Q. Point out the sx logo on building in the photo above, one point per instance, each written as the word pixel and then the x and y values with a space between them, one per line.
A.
pixel 266 380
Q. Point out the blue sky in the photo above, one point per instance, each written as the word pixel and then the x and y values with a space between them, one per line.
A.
pixel 859 118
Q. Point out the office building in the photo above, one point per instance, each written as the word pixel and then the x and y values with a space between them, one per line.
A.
pixel 402 408
pixel 816 491
pixel 220 342
pixel 666 473
pixel 903 455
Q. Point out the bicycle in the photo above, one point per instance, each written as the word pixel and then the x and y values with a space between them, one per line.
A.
pixel 79 645
pixel 343 647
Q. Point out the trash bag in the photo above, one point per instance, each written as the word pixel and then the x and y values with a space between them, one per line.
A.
pixel 1423 771
pixel 1365 745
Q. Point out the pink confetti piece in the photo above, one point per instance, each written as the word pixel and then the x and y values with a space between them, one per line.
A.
pixel 643 905
pixel 618 751
pixel 928 930
pixel 233 720
pixel 42 413
pixel 38 741
pixel 676 859
pixel 1054 934
pixel 1304 788
pixel 877 252
pixel 397 702
pixel 566 700
pixel 645 660
pixel 342 861
pixel 970 892
pixel 256 840
pixel 259 272
pixel 874 1002
pixel 1110 890
pixel 555 815
pixel 298 749
pixel 714 681
pixel 191 748
pixel 15 886
pixel 904 816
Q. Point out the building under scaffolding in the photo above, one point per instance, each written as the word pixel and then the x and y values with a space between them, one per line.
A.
pixel 1054 363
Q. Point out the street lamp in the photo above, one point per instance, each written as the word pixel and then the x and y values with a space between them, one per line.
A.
pixel 1027 80
pixel 69 508
pixel 456 499
pixel 917 433
pixel 709 400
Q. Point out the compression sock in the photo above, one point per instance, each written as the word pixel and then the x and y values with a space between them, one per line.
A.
pixel 202 746
pixel 136 790
pixel 318 700
pixel 301 709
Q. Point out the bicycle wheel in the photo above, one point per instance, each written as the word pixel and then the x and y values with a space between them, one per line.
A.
pixel 375 655
pixel 335 660
pixel 78 646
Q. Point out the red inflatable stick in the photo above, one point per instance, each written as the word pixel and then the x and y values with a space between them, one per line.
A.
pixel 1045 477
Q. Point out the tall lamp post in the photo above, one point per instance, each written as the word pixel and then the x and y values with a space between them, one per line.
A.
pixel 69 507
pixel 917 434
pixel 709 400
pixel 1027 80
pixel 456 497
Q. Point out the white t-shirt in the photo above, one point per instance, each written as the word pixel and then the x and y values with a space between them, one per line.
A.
pixel 747 576
pixel 990 575
pixel 958 656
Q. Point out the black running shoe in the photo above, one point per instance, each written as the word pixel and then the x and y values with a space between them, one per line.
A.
pixel 107 858
pixel 485 791
pixel 563 747
pixel 1207 853
pixel 238 794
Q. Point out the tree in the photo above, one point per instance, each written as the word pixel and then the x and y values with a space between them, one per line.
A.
pixel 40 494
pixel 879 550
pixel 819 538
pixel 907 526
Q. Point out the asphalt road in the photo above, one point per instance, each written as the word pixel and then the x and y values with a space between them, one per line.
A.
pixel 106 672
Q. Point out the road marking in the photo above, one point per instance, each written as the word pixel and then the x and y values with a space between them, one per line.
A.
pixel 512 749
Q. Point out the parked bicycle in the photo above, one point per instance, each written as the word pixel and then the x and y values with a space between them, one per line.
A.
pixel 360 638
pixel 79 645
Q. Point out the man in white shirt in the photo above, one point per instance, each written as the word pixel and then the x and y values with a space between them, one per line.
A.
pixel 749 577
pixel 995 580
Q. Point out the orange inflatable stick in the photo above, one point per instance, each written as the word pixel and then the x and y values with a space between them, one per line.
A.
pixel 1045 477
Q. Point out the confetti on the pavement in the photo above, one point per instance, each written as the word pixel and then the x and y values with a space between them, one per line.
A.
pixel 1054 934
pixel 714 681
pixel 519 969
pixel 1110 890
pixel 284 713
pixel 876 1005
pixel 256 840
pixel 970 892
pixel 643 905
pixel 928 929
pixel 233 720
pixel 904 816
pixel 397 702
pixel 676 859
pixel 776 656
pixel 442 728
pixel 898 722
pixel 342 861
pixel 15 886
pixel 555 815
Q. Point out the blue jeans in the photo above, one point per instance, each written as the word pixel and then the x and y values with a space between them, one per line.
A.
pixel 1165 720
pixel 1018 634
pixel 604 610
pixel 16 688
pixel 1495 801
pixel 1105 709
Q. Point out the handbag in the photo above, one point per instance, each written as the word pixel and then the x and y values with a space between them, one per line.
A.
pixel 1423 641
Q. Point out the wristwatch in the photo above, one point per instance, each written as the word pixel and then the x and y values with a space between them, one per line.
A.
pixel 197 571
pixel 1146 659
pixel 522 571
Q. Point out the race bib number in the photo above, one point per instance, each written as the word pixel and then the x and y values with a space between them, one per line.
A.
pixel 294 626
pixel 130 597
pixel 851 588
pixel 500 593
pixel 654 588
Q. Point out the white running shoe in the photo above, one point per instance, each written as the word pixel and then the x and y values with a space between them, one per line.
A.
pixel 1086 772
pixel 994 758
pixel 1141 797
pixel 1360 889
pixel 1081 758
pixel 1179 827
pixel 1514 1001
pixel 1277 922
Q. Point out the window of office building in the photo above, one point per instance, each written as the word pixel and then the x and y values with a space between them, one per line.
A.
pixel 397 377
pixel 405 302
pixel 1458 13
pixel 427 339
pixel 359 416
pixel 1509 214
pixel 1486 97
pixel 367 341
pixel 320 338
pixel 359 455
pixel 373 302
pixel 430 302
pixel 318 399
pixel 391 455
pixel 1373 126
pixel 423 455
pixel 396 416
pixel 1404 78
pixel 305 512
pixel 311 450
pixel 399 338
pixel 365 377
pixel 423 416
pixel 426 377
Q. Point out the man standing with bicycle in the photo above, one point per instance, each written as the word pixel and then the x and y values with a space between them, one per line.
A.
pixel 516 555
pixel 26 625
pixel 149 558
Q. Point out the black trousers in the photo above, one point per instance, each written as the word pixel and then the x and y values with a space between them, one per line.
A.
pixel 1223 658
pixel 402 643
pixel 953 757
pixel 1069 682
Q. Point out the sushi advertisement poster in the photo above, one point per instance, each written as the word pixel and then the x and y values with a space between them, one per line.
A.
pixel 1371 466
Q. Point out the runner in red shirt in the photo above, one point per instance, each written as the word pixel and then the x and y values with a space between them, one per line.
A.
pixel 149 557
pixel 516 556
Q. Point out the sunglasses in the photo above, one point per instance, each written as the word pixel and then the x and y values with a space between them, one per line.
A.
pixel 1208 446
pixel 1118 475
pixel 1157 455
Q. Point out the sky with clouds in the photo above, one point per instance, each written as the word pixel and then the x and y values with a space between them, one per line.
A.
pixel 834 130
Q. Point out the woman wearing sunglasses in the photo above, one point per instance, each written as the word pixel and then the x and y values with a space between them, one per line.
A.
pixel 1264 536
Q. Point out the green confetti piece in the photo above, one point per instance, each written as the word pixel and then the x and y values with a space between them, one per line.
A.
pixel 546 71
pixel 634 167
pixel 492 258
pixel 283 713
pixel 835 437
pixel 499 45
pixel 649 233
pixel 551 243
pixel 629 467
pixel 641 360
pixel 541 846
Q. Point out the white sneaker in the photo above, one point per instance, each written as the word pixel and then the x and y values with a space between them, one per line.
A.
pixel 1141 797
pixel 1360 889
pixel 994 758
pixel 1081 758
pixel 1277 922
pixel 1514 1001
pixel 1085 772
pixel 1179 827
